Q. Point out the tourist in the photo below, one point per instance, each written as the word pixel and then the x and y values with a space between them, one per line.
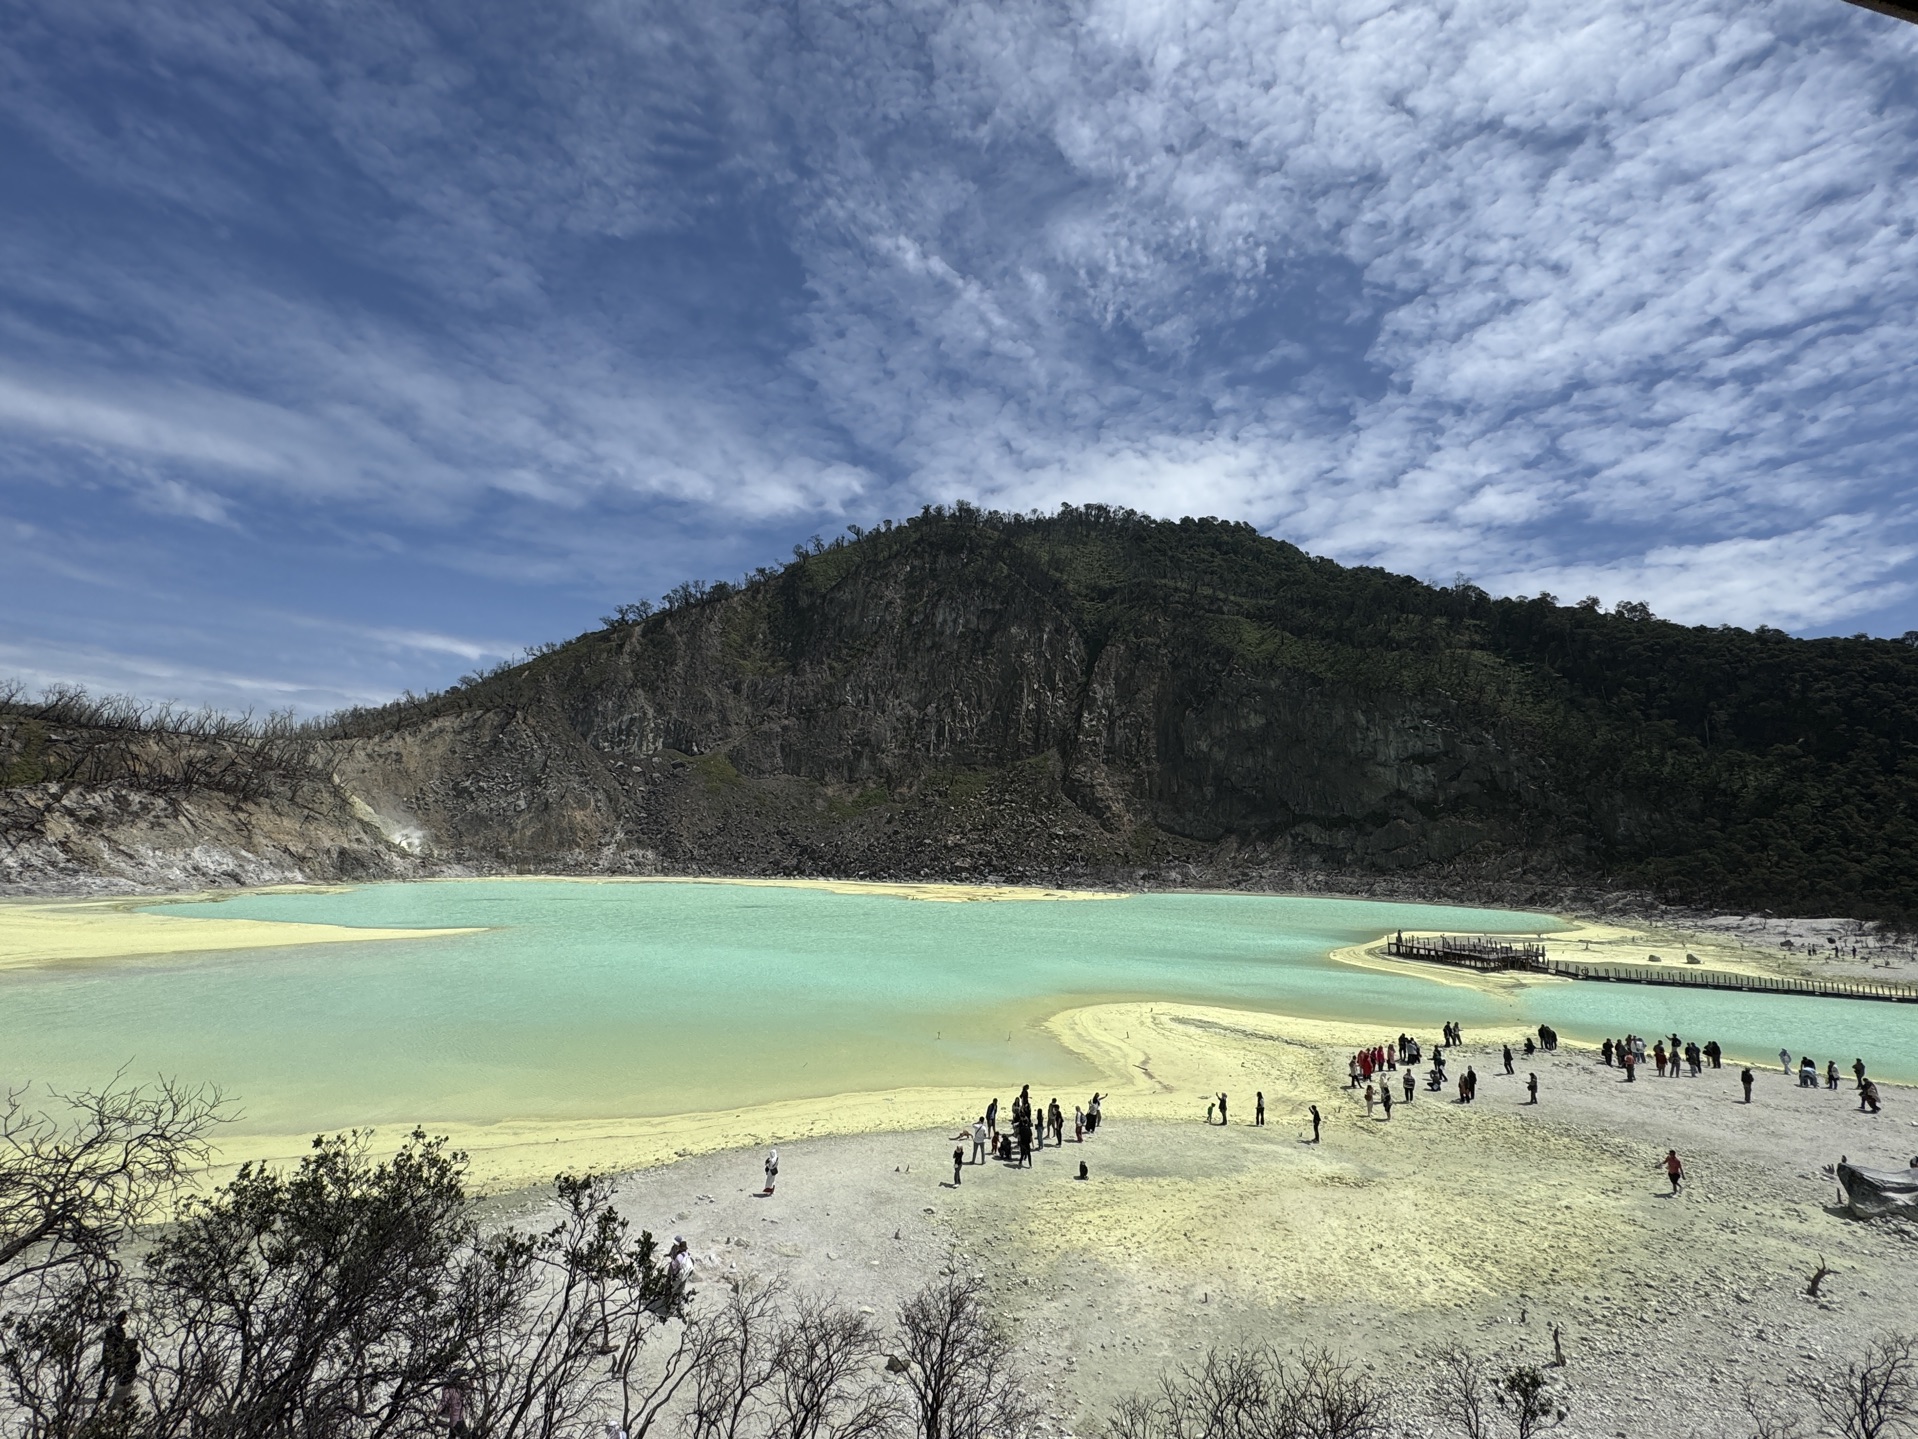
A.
pixel 958 1162
pixel 1745 1078
pixel 1715 1054
pixel 1222 1106
pixel 1385 1097
pixel 679 1267
pixel 1605 1052
pixel 1868 1097
pixel 772 1170
pixel 1371 1099
pixel 1658 1056
pixel 1807 1072
pixel 1858 1070
pixel 1784 1060
pixel 452 1410
pixel 1078 1125
pixel 1531 1088
pixel 119 1364
pixel 1631 1066
pixel 1831 1074
pixel 992 1117
pixel 1508 1060
pixel 1674 1171
pixel 1023 1128
pixel 1352 1071
pixel 1411 1086
pixel 1258 1109
pixel 1210 1105
pixel 1315 1122
pixel 980 1135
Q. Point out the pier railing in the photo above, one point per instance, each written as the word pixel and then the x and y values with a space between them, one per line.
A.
pixel 1471 952
pixel 1728 979
pixel 1467 953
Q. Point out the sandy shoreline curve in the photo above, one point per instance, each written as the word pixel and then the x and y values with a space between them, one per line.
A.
pixel 1159 1060
pixel 42 932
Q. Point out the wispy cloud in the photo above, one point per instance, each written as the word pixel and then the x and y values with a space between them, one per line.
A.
pixel 1620 297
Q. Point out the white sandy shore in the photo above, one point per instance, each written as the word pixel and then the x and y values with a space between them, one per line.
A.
pixel 1483 1225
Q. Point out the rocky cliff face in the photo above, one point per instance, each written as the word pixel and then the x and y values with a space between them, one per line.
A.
pixel 1094 699
pixel 949 709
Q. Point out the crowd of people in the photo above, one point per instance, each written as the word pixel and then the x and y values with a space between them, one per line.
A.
pixel 1387 1075
pixel 1025 1131
pixel 1672 1057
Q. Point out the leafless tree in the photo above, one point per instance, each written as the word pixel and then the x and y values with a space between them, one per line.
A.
pixel 740 1364
pixel 824 1388
pixel 1770 1422
pixel 1483 1399
pixel 958 1366
pixel 1257 1393
pixel 1874 1396
pixel 76 1177
pixel 573 1312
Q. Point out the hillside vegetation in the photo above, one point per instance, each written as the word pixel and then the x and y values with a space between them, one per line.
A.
pixel 1095 694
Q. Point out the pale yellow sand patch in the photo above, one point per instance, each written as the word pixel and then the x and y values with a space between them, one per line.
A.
pixel 936 893
pixel 1162 1061
pixel 62 932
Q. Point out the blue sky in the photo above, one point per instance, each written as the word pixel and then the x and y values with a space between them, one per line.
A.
pixel 344 347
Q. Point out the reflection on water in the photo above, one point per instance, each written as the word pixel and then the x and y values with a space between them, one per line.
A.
pixel 600 1000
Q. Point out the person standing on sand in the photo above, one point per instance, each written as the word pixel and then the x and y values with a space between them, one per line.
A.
pixel 772 1170
pixel 1385 1098
pixel 1222 1106
pixel 1631 1065
pixel 1078 1125
pixel 1371 1100
pixel 119 1365
pixel 1745 1078
pixel 980 1134
pixel 1210 1106
pixel 958 1162
pixel 1674 1171
pixel 1531 1088
pixel 1605 1051
pixel 1315 1122
pixel 1784 1060
pixel 1508 1060
pixel 1410 1085
pixel 1258 1109
pixel 1831 1074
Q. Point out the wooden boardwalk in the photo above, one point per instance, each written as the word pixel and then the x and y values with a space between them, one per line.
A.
pixel 1492 956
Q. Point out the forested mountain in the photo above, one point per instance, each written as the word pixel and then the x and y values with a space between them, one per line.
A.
pixel 1097 696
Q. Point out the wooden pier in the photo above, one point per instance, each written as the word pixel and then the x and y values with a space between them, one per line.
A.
pixel 1728 979
pixel 1495 956
pixel 1468 952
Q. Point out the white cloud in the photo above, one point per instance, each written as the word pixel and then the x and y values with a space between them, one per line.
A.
pixel 1797 580
pixel 1625 292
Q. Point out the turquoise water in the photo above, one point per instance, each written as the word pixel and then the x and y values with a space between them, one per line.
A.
pixel 606 1000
